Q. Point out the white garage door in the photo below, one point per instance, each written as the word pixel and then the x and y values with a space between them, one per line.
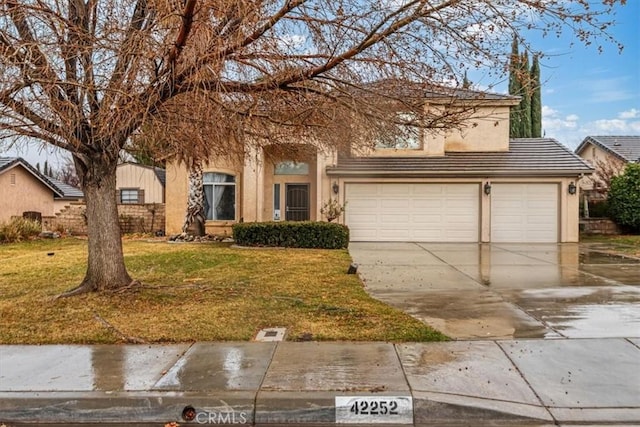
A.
pixel 413 212
pixel 524 213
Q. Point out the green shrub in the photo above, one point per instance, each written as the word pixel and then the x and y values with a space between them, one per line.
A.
pixel 320 235
pixel 624 198
pixel 19 229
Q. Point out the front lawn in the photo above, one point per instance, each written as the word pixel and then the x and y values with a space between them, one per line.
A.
pixel 622 244
pixel 192 292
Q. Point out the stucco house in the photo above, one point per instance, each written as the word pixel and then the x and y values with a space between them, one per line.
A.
pixel 140 184
pixel 24 189
pixel 608 155
pixel 469 185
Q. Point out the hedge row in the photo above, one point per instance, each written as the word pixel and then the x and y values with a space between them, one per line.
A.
pixel 319 235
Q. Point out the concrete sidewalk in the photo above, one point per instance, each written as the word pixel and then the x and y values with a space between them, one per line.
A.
pixel 526 382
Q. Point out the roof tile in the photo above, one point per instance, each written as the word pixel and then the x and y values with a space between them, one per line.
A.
pixel 531 157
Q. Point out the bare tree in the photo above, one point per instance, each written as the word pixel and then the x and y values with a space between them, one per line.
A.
pixel 67 174
pixel 87 75
pixel 606 169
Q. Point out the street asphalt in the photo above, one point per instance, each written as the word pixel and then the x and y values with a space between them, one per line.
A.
pixel 522 356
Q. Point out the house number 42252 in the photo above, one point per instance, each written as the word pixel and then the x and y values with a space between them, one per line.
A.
pixel 374 410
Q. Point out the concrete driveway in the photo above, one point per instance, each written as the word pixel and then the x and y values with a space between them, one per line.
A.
pixel 496 291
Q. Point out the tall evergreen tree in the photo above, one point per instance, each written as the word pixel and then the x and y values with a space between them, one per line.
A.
pixel 514 89
pixel 536 99
pixel 466 83
pixel 525 93
pixel 526 117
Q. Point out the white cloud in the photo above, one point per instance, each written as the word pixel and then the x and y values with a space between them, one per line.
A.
pixel 293 42
pixel 548 111
pixel 612 125
pixel 629 114
pixel 552 121
pixel 570 129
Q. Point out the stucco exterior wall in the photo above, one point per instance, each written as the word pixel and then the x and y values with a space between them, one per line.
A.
pixel 20 191
pixel 177 184
pixel 60 205
pixel 597 157
pixel 134 176
pixel 268 188
pixel 177 190
pixel 487 130
pixel 255 181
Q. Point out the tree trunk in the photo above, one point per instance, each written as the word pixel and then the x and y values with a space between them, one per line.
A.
pixel 195 202
pixel 105 268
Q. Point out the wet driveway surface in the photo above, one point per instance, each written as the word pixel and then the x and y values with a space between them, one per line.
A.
pixel 496 291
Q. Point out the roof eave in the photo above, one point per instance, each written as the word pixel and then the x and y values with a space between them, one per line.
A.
pixel 450 174
pixel 472 102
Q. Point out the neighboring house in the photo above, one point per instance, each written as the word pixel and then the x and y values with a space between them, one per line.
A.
pixel 140 184
pixel 609 155
pixel 24 189
pixel 473 185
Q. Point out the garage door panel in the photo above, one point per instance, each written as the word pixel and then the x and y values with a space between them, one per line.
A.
pixel 392 189
pixel 360 219
pixel 524 212
pixel 413 212
pixel 364 189
pixel 427 221
pixel 427 204
pixel 394 203
pixel 427 193
pixel 363 203
pixel 394 220
pixel 462 221
pixel 462 191
pixel 456 204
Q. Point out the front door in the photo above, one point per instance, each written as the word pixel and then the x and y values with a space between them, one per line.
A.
pixel 297 202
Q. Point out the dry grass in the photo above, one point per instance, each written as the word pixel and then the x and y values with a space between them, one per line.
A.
pixel 192 292
pixel 623 244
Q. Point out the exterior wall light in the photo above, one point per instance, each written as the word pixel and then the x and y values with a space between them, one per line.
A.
pixel 335 187
pixel 487 188
pixel 572 188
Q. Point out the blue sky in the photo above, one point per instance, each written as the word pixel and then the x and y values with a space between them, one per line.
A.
pixel 590 93
pixel 584 92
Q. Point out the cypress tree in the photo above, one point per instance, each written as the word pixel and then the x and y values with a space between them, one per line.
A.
pixel 466 84
pixel 514 89
pixel 46 168
pixel 536 99
pixel 525 103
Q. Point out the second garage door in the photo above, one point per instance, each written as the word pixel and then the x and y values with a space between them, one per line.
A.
pixel 524 213
pixel 413 212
